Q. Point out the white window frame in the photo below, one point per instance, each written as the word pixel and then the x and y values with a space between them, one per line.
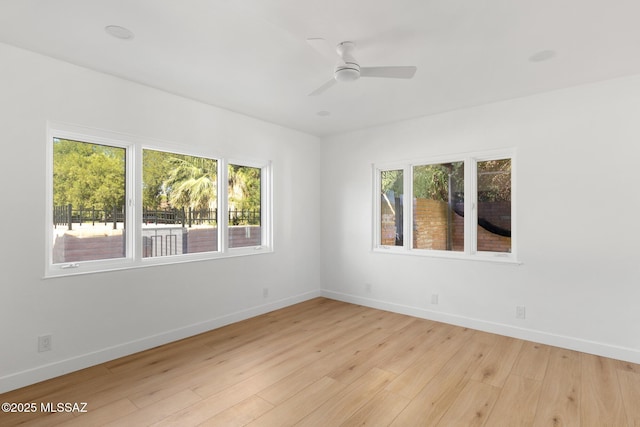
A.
pixel 134 146
pixel 470 207
pixel 406 211
pixel 266 213
pixel 171 259
pixel 80 134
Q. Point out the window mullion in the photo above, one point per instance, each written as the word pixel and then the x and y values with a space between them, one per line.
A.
pixel 409 217
pixel 223 205
pixel 470 207
pixel 134 201
pixel 266 212
pixel 377 212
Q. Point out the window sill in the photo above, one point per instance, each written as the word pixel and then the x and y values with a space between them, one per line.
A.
pixel 91 267
pixel 482 257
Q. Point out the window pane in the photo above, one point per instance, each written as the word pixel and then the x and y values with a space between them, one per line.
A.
pixel 244 206
pixel 391 208
pixel 89 193
pixel 438 213
pixel 494 205
pixel 180 214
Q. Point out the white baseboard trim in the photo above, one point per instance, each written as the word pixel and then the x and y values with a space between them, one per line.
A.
pixel 61 367
pixel 571 343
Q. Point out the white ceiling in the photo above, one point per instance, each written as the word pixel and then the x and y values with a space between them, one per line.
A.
pixel 251 56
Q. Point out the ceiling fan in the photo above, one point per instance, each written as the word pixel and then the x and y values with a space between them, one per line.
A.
pixel 348 69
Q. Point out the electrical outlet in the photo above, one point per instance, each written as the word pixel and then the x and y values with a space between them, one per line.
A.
pixel 44 343
pixel 265 292
pixel 520 312
pixel 434 299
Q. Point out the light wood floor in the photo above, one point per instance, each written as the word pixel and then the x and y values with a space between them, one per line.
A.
pixel 327 363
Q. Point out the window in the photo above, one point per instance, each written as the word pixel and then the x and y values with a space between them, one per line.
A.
pixel 461 207
pixel 438 206
pixel 180 208
pixel 89 209
pixel 119 201
pixel 391 207
pixel 244 204
pixel 494 205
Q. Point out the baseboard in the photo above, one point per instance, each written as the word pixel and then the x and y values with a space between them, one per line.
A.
pixel 51 370
pixel 571 343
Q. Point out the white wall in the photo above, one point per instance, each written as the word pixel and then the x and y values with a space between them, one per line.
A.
pixel 578 198
pixel 101 316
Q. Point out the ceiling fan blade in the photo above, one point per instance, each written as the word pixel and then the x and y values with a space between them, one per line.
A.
pixel 402 72
pixel 324 87
pixel 324 48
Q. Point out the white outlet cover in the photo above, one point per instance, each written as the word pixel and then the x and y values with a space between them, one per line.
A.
pixel 44 343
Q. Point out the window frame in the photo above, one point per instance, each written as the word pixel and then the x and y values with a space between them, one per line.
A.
pixel 171 259
pixel 134 147
pixel 265 207
pixel 470 251
pixel 406 211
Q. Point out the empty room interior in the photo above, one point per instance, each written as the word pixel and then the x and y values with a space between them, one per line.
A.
pixel 331 213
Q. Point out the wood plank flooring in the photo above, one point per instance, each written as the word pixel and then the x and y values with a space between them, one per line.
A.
pixel 327 363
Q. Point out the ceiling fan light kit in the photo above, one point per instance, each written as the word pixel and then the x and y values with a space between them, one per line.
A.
pixel 347 73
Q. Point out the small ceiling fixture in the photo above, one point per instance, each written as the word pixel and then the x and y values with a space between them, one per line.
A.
pixel 324 113
pixel 543 55
pixel 119 32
